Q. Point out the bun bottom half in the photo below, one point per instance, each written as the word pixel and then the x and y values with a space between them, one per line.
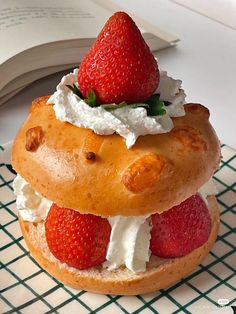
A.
pixel 160 273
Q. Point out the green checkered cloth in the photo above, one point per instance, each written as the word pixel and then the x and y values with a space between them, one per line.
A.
pixel 26 288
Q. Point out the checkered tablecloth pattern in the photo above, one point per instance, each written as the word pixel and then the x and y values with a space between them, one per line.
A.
pixel 26 288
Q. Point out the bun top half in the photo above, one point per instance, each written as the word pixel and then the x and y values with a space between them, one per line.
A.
pixel 76 168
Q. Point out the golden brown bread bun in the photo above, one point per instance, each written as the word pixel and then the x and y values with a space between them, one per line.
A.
pixel 159 274
pixel 95 174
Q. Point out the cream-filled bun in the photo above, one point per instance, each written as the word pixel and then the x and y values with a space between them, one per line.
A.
pixel 114 144
pixel 159 274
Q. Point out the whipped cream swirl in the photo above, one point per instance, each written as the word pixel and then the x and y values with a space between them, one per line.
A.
pixel 130 123
pixel 129 243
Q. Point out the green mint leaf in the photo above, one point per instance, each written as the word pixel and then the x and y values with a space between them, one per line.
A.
pixel 91 96
pixel 111 107
pixel 75 90
pixel 155 106
pixel 91 99
pixel 138 105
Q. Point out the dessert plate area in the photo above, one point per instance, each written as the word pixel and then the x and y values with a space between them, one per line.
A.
pixel 26 288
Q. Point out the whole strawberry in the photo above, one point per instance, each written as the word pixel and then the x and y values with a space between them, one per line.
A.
pixel 119 66
pixel 78 240
pixel 181 229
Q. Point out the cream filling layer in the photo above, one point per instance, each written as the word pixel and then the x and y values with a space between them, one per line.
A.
pixel 31 205
pixel 130 236
pixel 129 243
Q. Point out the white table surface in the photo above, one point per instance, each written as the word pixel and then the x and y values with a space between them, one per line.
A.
pixel 204 59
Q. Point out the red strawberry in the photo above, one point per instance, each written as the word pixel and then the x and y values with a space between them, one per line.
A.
pixel 181 229
pixel 119 66
pixel 78 240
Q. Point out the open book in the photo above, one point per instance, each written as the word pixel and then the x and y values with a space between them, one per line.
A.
pixel 45 36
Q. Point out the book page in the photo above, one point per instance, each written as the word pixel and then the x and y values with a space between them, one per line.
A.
pixel 47 33
pixel 25 24
pixel 28 77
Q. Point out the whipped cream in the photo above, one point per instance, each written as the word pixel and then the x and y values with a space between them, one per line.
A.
pixel 129 243
pixel 170 90
pixel 32 206
pixel 130 123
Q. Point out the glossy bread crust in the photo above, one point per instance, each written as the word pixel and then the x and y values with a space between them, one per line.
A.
pixel 76 168
pixel 159 274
